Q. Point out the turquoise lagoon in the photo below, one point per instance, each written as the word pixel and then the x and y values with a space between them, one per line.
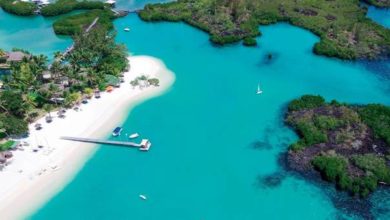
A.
pixel 214 140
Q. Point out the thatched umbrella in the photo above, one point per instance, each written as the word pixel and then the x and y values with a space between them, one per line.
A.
pixel 7 154
pixel 48 119
pixel 38 126
pixel 2 158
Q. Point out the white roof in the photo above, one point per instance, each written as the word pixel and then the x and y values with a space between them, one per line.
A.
pixel 144 141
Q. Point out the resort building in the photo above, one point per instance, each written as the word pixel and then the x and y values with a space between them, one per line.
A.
pixel 16 56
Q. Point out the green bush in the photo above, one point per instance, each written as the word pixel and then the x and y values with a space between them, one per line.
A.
pixel 377 117
pixel 374 164
pixel 13 125
pixel 249 41
pixel 327 122
pixel 7 145
pixel 306 102
pixel 74 24
pixel 332 168
pixel 310 135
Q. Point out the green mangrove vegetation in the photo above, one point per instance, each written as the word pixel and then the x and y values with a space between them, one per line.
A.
pixel 342 25
pixel 73 24
pixel 18 7
pixel 66 6
pixel 66 25
pixel 349 145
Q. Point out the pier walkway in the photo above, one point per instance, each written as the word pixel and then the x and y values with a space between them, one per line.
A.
pixel 98 141
pixel 71 47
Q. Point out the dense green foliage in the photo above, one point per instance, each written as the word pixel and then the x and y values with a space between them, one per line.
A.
pixel 333 168
pixel 18 7
pixel 13 125
pixel 310 135
pixel 378 118
pixel 336 139
pixel 306 102
pixel 373 164
pixel 73 24
pixel 7 145
pixel 66 6
pixel 342 25
pixel 28 94
pixel 249 41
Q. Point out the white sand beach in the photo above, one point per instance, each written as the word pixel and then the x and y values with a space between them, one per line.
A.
pixel 32 178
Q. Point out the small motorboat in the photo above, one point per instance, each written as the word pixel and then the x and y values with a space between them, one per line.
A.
pixel 259 91
pixel 135 135
pixel 117 131
pixel 143 197
pixel 127 29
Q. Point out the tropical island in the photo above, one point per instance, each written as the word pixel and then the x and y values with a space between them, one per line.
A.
pixel 347 144
pixel 342 26
pixel 68 24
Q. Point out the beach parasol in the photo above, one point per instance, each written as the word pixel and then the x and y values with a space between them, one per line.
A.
pixel 7 154
pixel 2 158
pixel 38 126
pixel 109 88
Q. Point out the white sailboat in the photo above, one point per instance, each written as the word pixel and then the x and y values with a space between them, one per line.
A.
pixel 259 91
pixel 127 29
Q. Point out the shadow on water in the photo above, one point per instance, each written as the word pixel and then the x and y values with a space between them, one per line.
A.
pixel 380 68
pixel 270 181
pixel 274 135
pixel 268 58
pixel 347 205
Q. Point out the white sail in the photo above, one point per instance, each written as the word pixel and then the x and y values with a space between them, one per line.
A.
pixel 259 91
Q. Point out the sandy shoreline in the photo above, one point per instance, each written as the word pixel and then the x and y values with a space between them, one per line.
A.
pixel 31 179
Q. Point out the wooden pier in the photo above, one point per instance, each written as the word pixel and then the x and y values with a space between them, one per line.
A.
pixel 98 141
pixel 71 47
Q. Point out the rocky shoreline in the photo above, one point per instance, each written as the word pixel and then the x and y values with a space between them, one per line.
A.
pixel 345 145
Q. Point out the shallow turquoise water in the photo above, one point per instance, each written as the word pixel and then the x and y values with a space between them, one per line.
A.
pixel 34 34
pixel 135 4
pixel 203 164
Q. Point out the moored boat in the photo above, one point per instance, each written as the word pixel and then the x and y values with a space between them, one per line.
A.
pixel 135 135
pixel 117 131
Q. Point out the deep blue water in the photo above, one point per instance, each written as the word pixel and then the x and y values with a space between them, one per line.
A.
pixel 380 15
pixel 203 163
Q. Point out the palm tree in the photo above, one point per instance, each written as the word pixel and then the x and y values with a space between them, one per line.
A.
pixel 2 129
pixel 55 69
pixel 48 108
pixel 58 55
pixel 41 61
